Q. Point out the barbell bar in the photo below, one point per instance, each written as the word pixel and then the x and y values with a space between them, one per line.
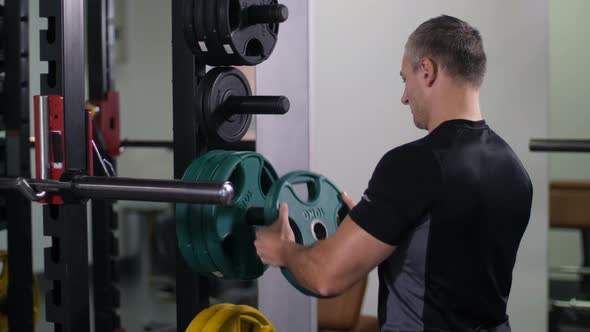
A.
pixel 116 188
pixel 559 145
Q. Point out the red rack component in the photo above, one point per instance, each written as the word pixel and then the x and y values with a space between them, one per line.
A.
pixel 108 122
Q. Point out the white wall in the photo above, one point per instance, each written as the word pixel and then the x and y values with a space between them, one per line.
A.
pixel 355 90
pixel 569 109
pixel 285 141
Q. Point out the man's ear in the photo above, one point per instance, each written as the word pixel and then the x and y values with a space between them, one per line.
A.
pixel 429 71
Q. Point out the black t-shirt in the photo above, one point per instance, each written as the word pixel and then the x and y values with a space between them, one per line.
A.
pixel 455 204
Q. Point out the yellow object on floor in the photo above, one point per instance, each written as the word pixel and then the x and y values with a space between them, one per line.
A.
pixel 230 318
pixel 4 292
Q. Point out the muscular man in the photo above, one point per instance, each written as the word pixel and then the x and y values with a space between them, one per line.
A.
pixel 442 216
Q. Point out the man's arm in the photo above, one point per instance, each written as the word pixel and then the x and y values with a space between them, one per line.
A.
pixel 334 265
pixel 329 267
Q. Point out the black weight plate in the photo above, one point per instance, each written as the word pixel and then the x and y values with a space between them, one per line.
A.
pixel 212 52
pixel 199 26
pixel 206 48
pixel 189 27
pixel 251 44
pixel 204 87
pixel 211 27
pixel 222 35
pixel 229 15
pixel 219 84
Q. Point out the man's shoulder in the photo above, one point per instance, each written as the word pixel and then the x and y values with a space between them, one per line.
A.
pixel 411 159
pixel 410 152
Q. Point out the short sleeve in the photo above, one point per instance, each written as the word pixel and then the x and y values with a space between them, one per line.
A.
pixel 401 190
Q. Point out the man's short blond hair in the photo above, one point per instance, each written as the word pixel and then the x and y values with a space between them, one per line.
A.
pixel 453 44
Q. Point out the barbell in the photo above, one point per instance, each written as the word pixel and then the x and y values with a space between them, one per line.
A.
pixel 223 197
pixel 219 240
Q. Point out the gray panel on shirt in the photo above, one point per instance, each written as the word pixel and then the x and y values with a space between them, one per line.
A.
pixel 402 276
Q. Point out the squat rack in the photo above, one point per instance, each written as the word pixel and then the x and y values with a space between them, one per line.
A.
pixel 66 265
pixel 107 297
pixel 62 46
pixel 188 143
pixel 15 110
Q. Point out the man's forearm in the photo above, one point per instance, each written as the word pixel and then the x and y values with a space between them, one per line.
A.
pixel 333 265
pixel 304 266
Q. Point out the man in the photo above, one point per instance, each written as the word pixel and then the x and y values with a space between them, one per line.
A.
pixel 442 217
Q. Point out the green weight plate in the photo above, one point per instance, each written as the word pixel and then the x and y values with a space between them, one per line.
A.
pixel 210 220
pixel 244 253
pixel 200 238
pixel 233 250
pixel 186 225
pixel 313 216
pixel 205 263
pixel 183 225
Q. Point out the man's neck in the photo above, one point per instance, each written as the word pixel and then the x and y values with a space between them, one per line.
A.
pixel 456 104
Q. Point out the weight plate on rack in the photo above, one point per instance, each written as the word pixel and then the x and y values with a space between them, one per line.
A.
pixel 219 84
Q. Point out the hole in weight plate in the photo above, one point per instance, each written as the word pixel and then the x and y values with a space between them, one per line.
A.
pixel 320 232
pixel 254 48
pixel 302 191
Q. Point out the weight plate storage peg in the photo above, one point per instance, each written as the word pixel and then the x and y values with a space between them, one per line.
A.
pixel 233 32
pixel 217 86
pixel 315 210
pixel 225 104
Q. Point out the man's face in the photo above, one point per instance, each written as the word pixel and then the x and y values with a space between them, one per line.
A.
pixel 414 93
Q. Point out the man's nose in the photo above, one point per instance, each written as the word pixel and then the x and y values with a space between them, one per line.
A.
pixel 405 99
